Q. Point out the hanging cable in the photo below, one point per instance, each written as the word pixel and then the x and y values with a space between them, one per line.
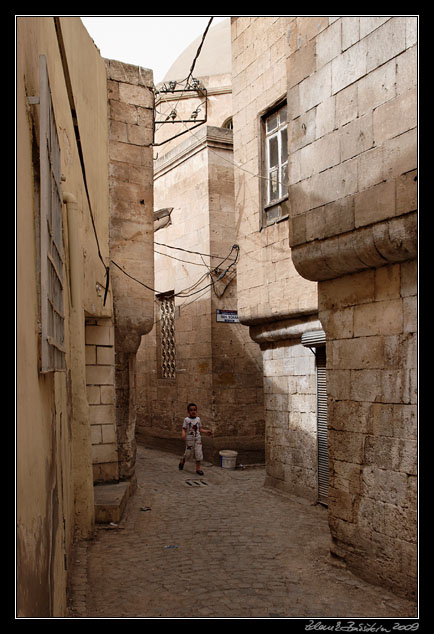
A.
pixel 195 86
pixel 208 255
pixel 190 74
pixel 186 292
pixel 220 294
pixel 150 288
pixel 179 259
pixel 232 162
pixel 182 305
pixel 221 275
pixel 133 278
pixel 67 77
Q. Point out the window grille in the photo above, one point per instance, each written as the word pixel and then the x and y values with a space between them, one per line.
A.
pixel 167 343
pixel 51 234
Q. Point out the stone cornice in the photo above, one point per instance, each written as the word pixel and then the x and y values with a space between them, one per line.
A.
pixel 284 329
pixel 205 136
pixel 391 241
pixel 211 92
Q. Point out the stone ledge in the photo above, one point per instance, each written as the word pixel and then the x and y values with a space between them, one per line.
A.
pixel 110 501
pixel 206 136
pixel 391 241
pixel 284 329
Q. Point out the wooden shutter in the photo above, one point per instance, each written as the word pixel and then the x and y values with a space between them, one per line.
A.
pixel 51 233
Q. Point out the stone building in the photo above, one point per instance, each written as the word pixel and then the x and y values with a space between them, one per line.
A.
pixel 324 124
pixel 277 304
pixel 74 347
pixel 130 101
pixel 193 352
pixel 307 163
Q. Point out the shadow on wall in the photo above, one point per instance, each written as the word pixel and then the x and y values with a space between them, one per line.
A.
pixel 362 229
pixel 218 367
pixel 291 418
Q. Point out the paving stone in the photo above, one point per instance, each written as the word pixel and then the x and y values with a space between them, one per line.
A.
pixel 233 549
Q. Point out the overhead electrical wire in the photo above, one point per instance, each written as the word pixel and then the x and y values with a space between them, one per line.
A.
pixel 73 110
pixel 107 270
pixel 184 304
pixel 190 74
pixel 232 162
pixel 186 79
pixel 179 259
pixel 208 255
pixel 192 133
pixel 186 292
pixel 211 270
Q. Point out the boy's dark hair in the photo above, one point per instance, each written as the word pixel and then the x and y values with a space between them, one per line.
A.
pixel 189 405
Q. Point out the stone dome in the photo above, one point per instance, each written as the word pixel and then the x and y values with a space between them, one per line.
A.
pixel 214 58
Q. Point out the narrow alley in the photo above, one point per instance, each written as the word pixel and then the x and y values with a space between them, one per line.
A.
pixel 221 546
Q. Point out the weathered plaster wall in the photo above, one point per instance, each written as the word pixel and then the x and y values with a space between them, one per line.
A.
pixel 54 470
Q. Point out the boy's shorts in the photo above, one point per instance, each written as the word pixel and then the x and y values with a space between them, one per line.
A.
pixel 193 449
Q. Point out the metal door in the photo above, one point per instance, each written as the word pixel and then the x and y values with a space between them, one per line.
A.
pixel 323 461
pixel 316 340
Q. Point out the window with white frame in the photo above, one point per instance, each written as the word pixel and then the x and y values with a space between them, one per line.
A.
pixel 275 164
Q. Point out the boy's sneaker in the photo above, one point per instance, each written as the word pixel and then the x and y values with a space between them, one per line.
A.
pixel 181 466
pixel 199 472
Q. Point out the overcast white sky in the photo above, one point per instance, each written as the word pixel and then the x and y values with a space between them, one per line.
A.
pixel 151 41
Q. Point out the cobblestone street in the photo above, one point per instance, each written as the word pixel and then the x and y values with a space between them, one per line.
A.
pixel 223 548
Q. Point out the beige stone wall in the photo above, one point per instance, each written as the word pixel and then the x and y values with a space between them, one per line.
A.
pixel 218 109
pixel 269 287
pixel 351 95
pixel 273 300
pixel 131 199
pixel 130 102
pixel 216 363
pixel 353 190
pixel 54 466
pixel 290 404
pixel 353 148
pixel 100 386
pixel 237 395
pixel 372 389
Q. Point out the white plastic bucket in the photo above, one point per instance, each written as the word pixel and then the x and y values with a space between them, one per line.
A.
pixel 228 459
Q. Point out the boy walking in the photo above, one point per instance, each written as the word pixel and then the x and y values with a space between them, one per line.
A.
pixel 191 433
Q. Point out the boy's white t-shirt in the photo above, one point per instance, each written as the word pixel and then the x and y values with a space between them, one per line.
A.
pixel 192 425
